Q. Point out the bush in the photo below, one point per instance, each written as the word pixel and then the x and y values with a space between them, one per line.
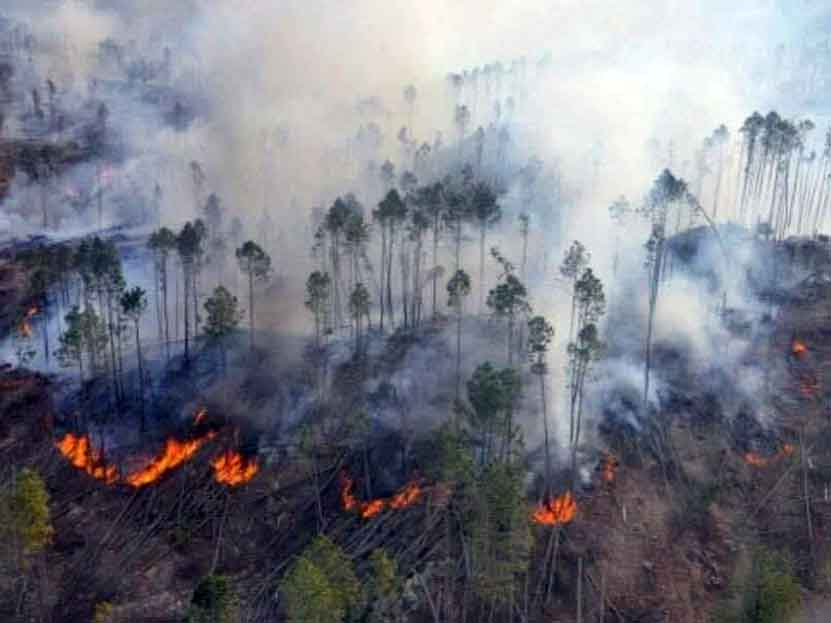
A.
pixel 771 593
pixel 321 586
pixel 214 601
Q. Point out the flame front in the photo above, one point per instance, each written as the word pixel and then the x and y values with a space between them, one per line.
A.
pixel 556 512
pixel 408 495
pixel 173 454
pixel 81 453
pixel 799 348
pixel 232 469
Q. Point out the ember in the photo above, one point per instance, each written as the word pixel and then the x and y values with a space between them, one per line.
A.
pixel 558 511
pixel 80 452
pixel 232 469
pixel 757 460
pixel 199 416
pixel 610 465
pixel 799 348
pixel 173 454
pixel 25 328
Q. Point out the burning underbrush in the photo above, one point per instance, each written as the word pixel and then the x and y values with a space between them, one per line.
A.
pixel 556 511
pixel 230 467
pixel 408 495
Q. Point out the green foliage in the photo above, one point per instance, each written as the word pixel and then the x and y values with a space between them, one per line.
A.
pixel 385 580
pixel 499 532
pixel 253 261
pixel 321 587
pixel 214 601
pixel 391 209
pixel 134 303
pixel 509 298
pixel 27 509
pixel 359 301
pixel 103 612
pixel 589 298
pixel 491 392
pixel 85 334
pixel 384 588
pixel 575 260
pixel 223 312
pixel 454 463
pixel 770 593
pixel 540 334
pixel 309 597
pixel 458 288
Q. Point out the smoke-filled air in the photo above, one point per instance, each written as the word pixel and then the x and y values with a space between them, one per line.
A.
pixel 434 312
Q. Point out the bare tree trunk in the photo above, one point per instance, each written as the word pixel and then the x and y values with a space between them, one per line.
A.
pixel 251 307
pixel 383 273
pixel 140 372
pixel 545 432
pixel 435 260
pixel 185 272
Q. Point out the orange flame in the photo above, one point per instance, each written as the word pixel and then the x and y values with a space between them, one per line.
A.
pixel 25 327
pixel 82 454
pixel 232 469
pixel 408 495
pixel 558 511
pixel 799 348
pixel 199 416
pixel 610 465
pixel 757 460
pixel 173 454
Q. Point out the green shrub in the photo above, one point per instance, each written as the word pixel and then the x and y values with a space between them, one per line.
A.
pixel 214 601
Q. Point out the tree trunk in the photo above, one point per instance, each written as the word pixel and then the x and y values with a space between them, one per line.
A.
pixel 140 373
pixel 458 350
pixel 482 233
pixel 186 313
pixel 545 432
pixel 164 307
pixel 251 306
pixel 435 261
pixel 111 331
pixel 390 247
pixel 383 272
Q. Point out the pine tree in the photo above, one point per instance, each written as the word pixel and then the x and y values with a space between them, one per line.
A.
pixel 256 265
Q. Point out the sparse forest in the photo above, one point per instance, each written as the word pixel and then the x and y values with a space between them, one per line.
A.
pixel 445 359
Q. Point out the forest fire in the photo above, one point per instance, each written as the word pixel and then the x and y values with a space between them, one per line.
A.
pixel 81 454
pixel 799 348
pixel 25 327
pixel 559 511
pixel 408 495
pixel 232 469
pixel 173 454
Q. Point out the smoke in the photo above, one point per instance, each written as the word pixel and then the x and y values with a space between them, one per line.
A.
pixel 605 96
